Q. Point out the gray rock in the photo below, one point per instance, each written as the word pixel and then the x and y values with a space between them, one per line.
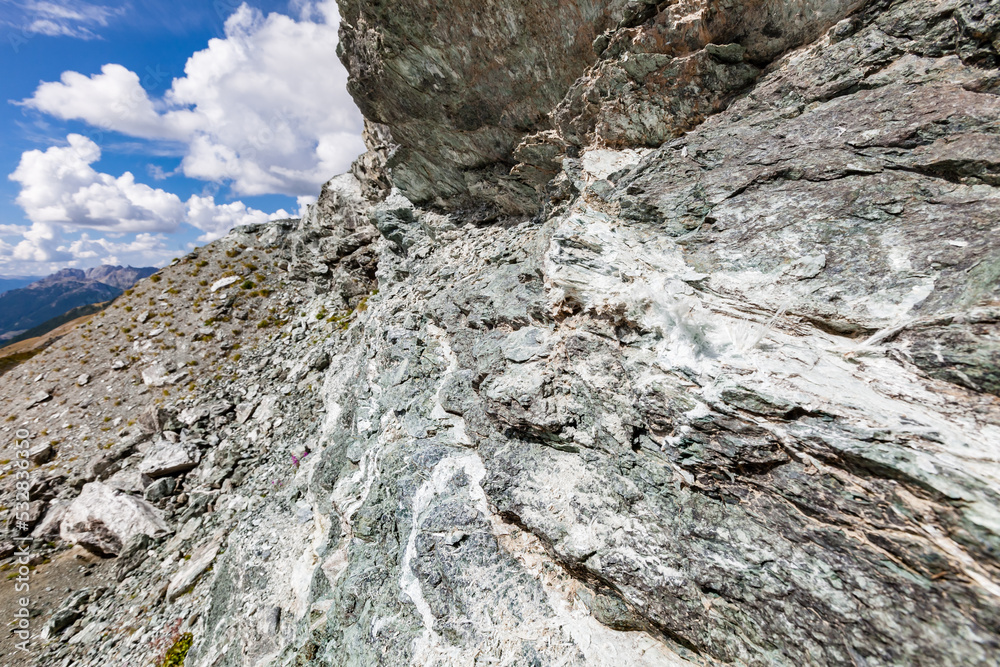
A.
pixel 160 489
pixel 40 454
pixel 37 398
pixel 166 458
pixel 244 411
pixel 133 555
pixel 49 527
pixel 103 520
pixel 191 416
pixel 189 572
pixel 71 609
pixel 154 419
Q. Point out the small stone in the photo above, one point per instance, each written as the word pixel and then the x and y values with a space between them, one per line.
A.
pixel 195 566
pixel 727 53
pixel 223 283
pixel 83 380
pixel 160 489
pixel 37 398
pixel 40 454
pixel 191 416
pixel 244 411
pixel 807 267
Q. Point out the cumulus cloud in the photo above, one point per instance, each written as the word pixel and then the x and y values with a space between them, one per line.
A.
pixel 60 186
pixel 62 193
pixel 217 219
pixel 265 109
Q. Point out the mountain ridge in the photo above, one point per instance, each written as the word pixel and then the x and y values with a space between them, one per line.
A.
pixel 27 307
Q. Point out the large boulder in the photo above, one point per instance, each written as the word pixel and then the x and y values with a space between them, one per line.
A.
pixel 102 519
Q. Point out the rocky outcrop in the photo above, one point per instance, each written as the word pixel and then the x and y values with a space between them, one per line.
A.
pixel 727 396
pixel 479 113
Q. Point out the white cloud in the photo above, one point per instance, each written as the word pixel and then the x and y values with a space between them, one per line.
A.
pixel 266 109
pixel 61 193
pixel 62 18
pixel 217 219
pixel 113 100
pixel 60 186
pixel 143 250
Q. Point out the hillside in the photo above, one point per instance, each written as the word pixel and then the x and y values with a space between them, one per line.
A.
pixel 644 334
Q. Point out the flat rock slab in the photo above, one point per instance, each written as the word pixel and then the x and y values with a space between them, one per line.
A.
pixel 193 568
pixel 224 283
pixel 169 458
pixel 39 397
pixel 157 375
pixel 192 416
pixel 103 519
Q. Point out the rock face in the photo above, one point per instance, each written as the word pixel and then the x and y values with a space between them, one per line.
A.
pixel 479 112
pixel 729 395
pixel 454 97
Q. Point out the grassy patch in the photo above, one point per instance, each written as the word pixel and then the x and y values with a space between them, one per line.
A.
pixel 14 360
pixel 178 652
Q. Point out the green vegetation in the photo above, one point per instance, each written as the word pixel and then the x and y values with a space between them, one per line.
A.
pixel 176 654
pixel 13 360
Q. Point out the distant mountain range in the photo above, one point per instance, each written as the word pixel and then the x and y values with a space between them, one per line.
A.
pixel 28 307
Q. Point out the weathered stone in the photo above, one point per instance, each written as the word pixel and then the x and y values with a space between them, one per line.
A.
pixel 244 411
pixel 40 454
pixel 49 527
pixel 103 520
pixel 189 572
pixel 68 612
pixel 154 419
pixel 132 555
pixel 169 458
pixel 37 398
pixel 223 283
pixel 160 489
pixel 191 416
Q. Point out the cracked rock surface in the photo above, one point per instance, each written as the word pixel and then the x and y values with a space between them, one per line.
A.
pixel 729 396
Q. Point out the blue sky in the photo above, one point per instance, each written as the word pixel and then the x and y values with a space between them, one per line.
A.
pixel 133 131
